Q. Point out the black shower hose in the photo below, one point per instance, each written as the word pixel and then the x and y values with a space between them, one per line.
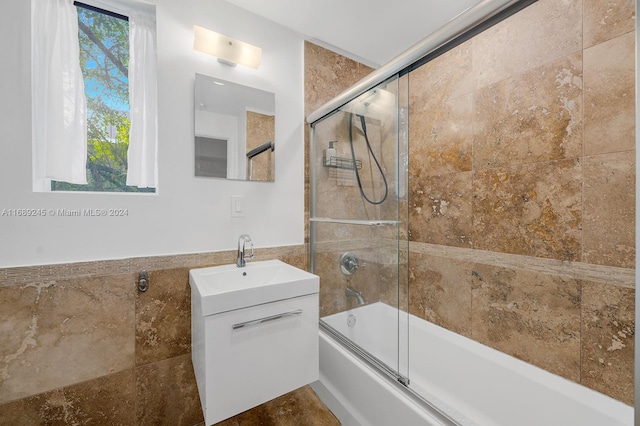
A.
pixel 353 157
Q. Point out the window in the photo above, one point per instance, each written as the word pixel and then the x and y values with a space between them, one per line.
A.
pixel 104 39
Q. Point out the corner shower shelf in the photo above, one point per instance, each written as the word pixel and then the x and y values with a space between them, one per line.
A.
pixel 342 163
pixel 355 222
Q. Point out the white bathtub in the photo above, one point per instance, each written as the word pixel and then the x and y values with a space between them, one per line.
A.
pixel 471 383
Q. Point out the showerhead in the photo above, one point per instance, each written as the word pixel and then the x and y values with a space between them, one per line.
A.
pixel 374 103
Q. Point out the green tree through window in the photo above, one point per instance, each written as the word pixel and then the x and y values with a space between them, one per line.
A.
pixel 104 59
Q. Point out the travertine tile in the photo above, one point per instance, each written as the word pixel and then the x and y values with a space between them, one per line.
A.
pixel 156 263
pixel 302 407
pixel 394 287
pixel 223 257
pixel 609 209
pixel 67 271
pixel 376 273
pixel 609 96
pixel 107 400
pixel 163 316
pixel 447 76
pixel 83 269
pixel 60 333
pixel 368 279
pixel 294 255
pixel 337 190
pixel 375 277
pixel 200 259
pixel 22 275
pixel 604 20
pixel 530 209
pixel 609 275
pixel 300 260
pixel 260 129
pixel 441 134
pixel 440 290
pixel 332 283
pixel 532 316
pixel 608 330
pixel 541 33
pixel 167 393
pixel 532 117
pixel 57 333
pixel 326 75
pixel 440 209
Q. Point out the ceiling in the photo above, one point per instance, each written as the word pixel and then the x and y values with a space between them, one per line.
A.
pixel 370 31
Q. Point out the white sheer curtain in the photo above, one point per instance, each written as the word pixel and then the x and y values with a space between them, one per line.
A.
pixel 59 109
pixel 143 100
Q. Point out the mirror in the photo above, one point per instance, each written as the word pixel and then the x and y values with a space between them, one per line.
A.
pixel 234 130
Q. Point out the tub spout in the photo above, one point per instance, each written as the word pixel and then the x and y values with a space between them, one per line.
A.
pixel 349 292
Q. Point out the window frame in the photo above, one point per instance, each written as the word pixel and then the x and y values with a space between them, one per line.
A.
pixel 120 9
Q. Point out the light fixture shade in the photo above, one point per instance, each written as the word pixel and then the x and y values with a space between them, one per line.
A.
pixel 226 49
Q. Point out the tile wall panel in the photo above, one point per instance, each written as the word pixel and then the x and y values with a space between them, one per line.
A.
pixel 609 96
pixel 546 216
pixel 70 343
pixel 604 20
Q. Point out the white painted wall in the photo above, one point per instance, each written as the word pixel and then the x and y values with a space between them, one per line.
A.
pixel 188 214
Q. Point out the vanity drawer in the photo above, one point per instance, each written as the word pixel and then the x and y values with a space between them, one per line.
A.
pixel 255 354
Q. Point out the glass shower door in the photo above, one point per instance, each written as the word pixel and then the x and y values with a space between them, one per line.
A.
pixel 357 220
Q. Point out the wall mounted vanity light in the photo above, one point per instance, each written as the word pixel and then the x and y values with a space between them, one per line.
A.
pixel 227 50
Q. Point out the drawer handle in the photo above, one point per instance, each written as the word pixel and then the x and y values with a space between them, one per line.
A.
pixel 266 319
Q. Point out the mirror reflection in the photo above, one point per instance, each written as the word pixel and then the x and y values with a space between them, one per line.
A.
pixel 234 130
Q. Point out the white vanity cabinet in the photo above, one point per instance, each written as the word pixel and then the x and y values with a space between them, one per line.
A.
pixel 247 356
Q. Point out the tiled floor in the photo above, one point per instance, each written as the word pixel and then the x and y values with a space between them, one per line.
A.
pixel 301 407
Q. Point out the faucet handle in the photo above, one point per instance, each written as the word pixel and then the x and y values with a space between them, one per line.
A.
pixel 249 256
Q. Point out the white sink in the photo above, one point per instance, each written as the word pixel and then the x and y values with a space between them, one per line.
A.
pixel 227 287
pixel 254 334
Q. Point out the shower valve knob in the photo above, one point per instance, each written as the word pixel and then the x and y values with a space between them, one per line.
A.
pixel 349 263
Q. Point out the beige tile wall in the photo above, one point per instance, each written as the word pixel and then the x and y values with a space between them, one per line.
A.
pixel 80 345
pixel 571 318
pixel 326 74
pixel 260 129
pixel 337 193
pixel 522 190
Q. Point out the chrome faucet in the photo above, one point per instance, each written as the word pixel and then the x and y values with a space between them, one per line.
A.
pixel 241 260
pixel 349 292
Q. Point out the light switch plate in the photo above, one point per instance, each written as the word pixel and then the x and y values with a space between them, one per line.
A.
pixel 237 206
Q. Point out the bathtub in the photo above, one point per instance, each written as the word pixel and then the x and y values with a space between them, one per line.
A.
pixel 465 382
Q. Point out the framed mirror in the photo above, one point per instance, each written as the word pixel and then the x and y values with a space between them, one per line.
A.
pixel 234 130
